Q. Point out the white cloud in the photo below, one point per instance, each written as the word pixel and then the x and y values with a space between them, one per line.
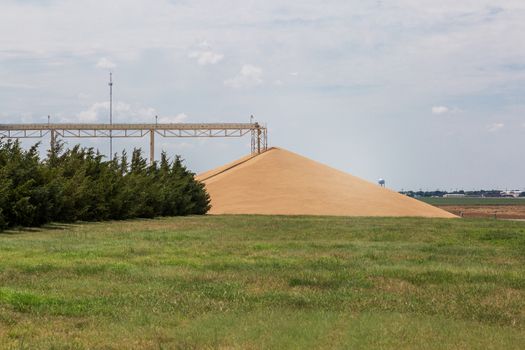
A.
pixel 122 112
pixel 9 85
pixel 440 110
pixel 495 127
pixel 105 63
pixel 92 114
pixel 179 118
pixel 27 118
pixel 204 45
pixel 206 57
pixel 248 76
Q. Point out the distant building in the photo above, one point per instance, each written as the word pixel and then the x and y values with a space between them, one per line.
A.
pixel 454 195
pixel 514 194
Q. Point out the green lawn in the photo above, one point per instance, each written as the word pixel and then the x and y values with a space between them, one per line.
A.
pixel 255 282
pixel 473 201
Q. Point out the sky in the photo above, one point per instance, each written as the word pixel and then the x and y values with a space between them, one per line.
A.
pixel 425 94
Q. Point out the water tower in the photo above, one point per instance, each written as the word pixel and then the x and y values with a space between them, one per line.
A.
pixel 381 182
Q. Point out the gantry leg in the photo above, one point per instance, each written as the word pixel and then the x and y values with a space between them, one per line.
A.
pixel 151 146
pixel 53 139
pixel 258 140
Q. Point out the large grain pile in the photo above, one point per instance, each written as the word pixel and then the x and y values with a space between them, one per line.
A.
pixel 284 183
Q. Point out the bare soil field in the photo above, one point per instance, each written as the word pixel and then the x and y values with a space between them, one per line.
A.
pixel 486 211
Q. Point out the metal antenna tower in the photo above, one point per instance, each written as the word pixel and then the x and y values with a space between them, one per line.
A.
pixel 110 115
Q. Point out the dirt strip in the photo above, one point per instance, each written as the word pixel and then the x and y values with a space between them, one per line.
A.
pixel 486 211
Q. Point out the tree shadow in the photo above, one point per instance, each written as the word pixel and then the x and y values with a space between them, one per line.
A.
pixel 46 227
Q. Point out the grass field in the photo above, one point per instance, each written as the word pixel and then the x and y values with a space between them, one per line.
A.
pixel 473 201
pixel 254 282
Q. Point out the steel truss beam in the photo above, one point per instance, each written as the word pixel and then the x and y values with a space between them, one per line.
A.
pixel 259 133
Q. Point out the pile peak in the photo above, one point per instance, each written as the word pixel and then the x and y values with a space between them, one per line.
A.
pixel 280 182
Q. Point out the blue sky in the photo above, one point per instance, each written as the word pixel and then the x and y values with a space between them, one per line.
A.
pixel 426 94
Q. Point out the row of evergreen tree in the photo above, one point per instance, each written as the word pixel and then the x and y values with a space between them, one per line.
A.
pixel 78 184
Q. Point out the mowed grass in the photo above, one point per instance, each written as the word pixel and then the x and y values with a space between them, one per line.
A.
pixel 260 282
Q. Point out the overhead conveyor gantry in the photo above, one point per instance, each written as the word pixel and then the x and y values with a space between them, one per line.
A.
pixel 259 133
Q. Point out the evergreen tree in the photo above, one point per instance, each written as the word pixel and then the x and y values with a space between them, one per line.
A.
pixel 78 184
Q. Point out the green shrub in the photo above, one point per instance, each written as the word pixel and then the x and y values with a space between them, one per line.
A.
pixel 78 184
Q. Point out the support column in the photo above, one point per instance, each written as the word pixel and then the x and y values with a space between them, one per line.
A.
pixel 265 139
pixel 257 143
pixel 252 132
pixel 151 146
pixel 259 140
pixel 53 139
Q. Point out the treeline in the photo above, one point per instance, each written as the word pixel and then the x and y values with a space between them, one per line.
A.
pixel 439 193
pixel 78 184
